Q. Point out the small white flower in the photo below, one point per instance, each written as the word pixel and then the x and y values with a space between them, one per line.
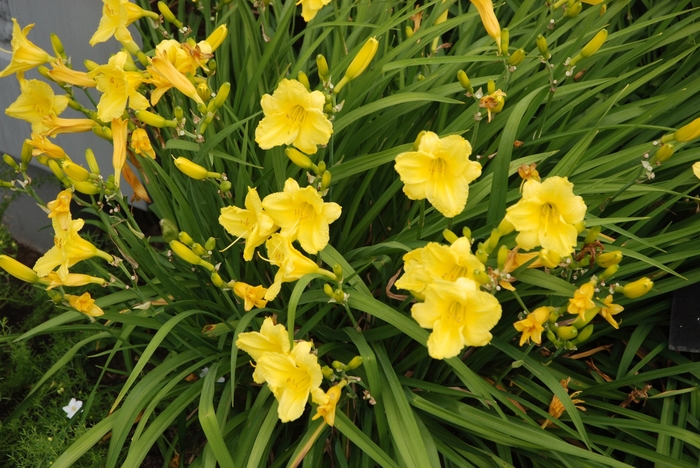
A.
pixel 73 407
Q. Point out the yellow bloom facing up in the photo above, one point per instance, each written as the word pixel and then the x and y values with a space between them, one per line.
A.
pixel 309 8
pixel 116 16
pixel 291 377
pixel 609 310
pixel 251 224
pixel 489 20
pixel 493 103
pixel 18 270
pixel 546 215
pixel 119 134
pixel 440 170
pixel 60 209
pixel 531 326
pixel 72 280
pixel 582 300
pixel 141 144
pixel 117 87
pixel 36 101
pixel 327 402
pixel 272 338
pixel 56 125
pixel 293 116
pixel 302 214
pixel 62 74
pixel 435 263
pixel 459 314
pixel 253 296
pixel 84 304
pixel 25 55
pixel 292 264
pixel 42 146
pixel 164 75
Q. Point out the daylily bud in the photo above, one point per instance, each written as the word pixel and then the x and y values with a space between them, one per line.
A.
pixel 168 15
pixel 481 277
pixel 542 46
pixel 210 244
pixel 416 142
pixel 169 230
pixel 339 296
pixel 211 65
pixel 595 43
pixel 609 272
pixel 481 253
pixel 217 37
pixel 606 259
pixel 10 162
pixel 225 186
pixel 464 81
pixel 100 132
pixel 154 120
pixel 583 335
pixel 337 365
pixel 592 235
pixel 505 41
pixel 688 132
pixel 327 372
pixel 303 79
pixel 90 65
pixel 204 91
pixel 75 172
pixel 354 363
pixel 217 281
pixel 198 249
pixel 87 188
pixel 566 333
pixel 323 72
pixel 502 257
pixel 178 112
pixel 325 180
pixel 549 259
pixel 182 251
pixel 26 155
pixel 299 158
pixel 491 86
pixel 664 153
pixel 637 288
pixel 409 32
pixel 221 96
pixel 360 63
pixel 449 236
pixel 185 238
pixel 517 57
pixel 493 240
pixel 92 161
pixel 338 271
pixel 193 170
pixel 58 46
pixel 584 319
pixel 18 270
pixel 321 167
pixel 466 232
pixel 574 10
pixel 328 289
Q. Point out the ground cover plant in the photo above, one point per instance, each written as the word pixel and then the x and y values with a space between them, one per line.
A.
pixel 391 233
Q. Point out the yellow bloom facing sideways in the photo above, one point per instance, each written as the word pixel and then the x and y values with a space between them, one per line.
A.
pixel 582 300
pixel 253 296
pixel 36 101
pixel 546 215
pixel 141 144
pixel 293 116
pixel 164 76
pixel 440 170
pixel 119 134
pixel 84 304
pixel 116 16
pixel 117 87
pixel 56 125
pixel 72 280
pixel 292 264
pixel 25 54
pixel 291 377
pixel 531 326
pixel 62 74
pixel 302 214
pixel 327 402
pixel 436 262
pixel 60 209
pixel 459 314
pixel 42 146
pixel 272 338
pixel 251 224
pixel 489 20
pixel 309 8
pixel 609 310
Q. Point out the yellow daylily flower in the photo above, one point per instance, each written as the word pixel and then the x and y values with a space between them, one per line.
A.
pixel 302 214
pixel 18 269
pixel 84 304
pixel 293 116
pixel 327 402
pixel 117 87
pixel 116 16
pixel 440 170
pixel 253 296
pixel 56 125
pixel 60 209
pixel 178 55
pixel 72 280
pixel 459 314
pixel 272 338
pixel 164 76
pixel 609 310
pixel 436 262
pixel 493 103
pixel 531 326
pixel 696 169
pixel 25 54
pixel 546 215
pixel 36 101
pixel 69 248
pixel 291 377
pixel 62 74
pixel 309 8
pixel 42 146
pixel 292 264
pixel 582 300
pixel 141 144
pixel 251 224
pixel 119 134
pixel 489 20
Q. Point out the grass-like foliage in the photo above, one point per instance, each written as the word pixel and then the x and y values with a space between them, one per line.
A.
pixel 362 199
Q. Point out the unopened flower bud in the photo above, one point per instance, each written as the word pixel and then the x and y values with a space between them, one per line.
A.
pixel 100 132
pixel 449 236
pixel 491 86
pixel 637 288
pixel 466 232
pixel 328 289
pixel 325 180
pixel 185 238
pixel 481 253
pixel 574 10
pixel 583 335
pixel 299 158
pixel 502 256
pixel 505 41
pixel 542 46
pixel 92 161
pixel 595 43
pixel 198 249
pixel 354 363
pixel 90 65
pixel 211 65
pixel 665 152
pixel 210 244
pixel 154 120
pixel 18 270
pixel 566 333
pixel 493 240
pixel 58 46
pixel 303 79
pixel 168 14
pixel 323 72
pixel 481 277
pixel 193 170
pixel 584 319
pixel 10 162
pixel 549 258
pixel 464 81
pixel 56 169
pixel 337 365
pixel 360 63
pixel 26 155
pixel 217 37
pixel 204 92
pixel 182 251
pixel 217 281
pixel 609 272
pixel 221 97
pixel 75 172
pixel 87 187
pixel 327 372
pixel 179 113
pixel 321 167
pixel 338 271
pixel 225 186
pixel 409 32
pixel 517 58
pixel 606 259
pixel 688 132
pixel 169 230
pixel 592 235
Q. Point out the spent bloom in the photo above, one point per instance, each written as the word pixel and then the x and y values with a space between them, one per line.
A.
pixel 583 299
pixel 73 407
pixel 141 144
pixel 531 326
pixel 84 304
pixel 327 402
pixel 60 208
pixel 459 314
pixel 253 296
pixel 440 170
pixel 251 223
pixel 36 101
pixel 293 116
pixel 25 54
pixel 546 214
